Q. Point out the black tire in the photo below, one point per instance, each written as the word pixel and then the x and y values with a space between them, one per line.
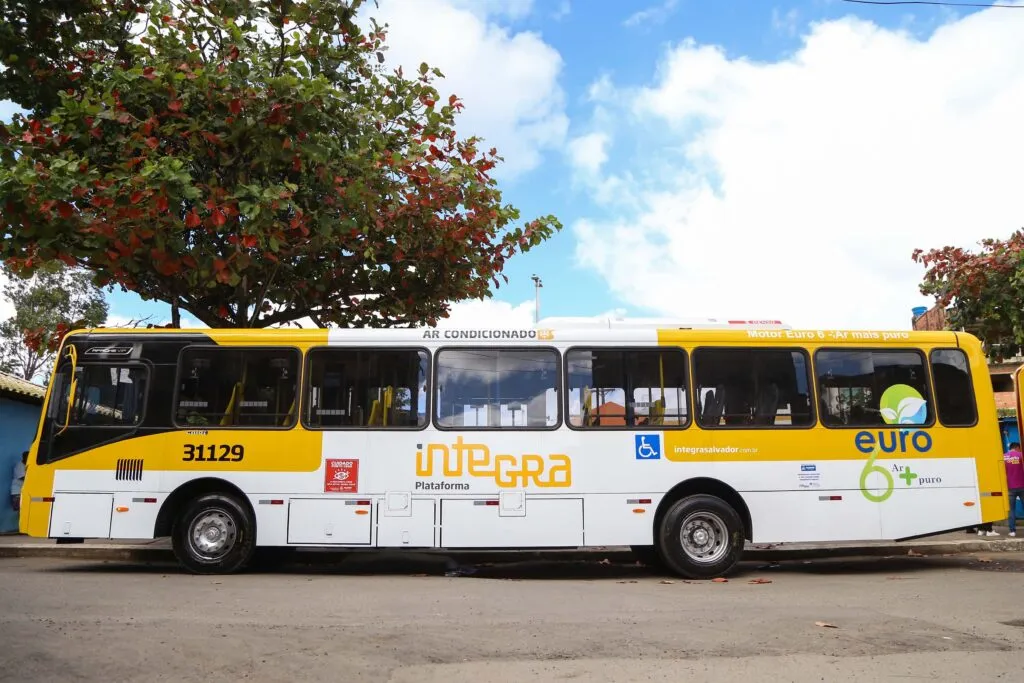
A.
pixel 648 556
pixel 714 537
pixel 215 534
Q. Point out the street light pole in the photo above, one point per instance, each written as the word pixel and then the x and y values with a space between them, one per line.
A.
pixel 536 298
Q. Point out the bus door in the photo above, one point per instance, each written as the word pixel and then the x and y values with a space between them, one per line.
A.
pixel 97 400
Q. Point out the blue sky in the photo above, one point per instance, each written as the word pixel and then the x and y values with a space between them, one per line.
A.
pixel 729 158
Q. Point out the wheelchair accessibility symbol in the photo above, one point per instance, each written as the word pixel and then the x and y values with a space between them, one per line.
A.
pixel 648 446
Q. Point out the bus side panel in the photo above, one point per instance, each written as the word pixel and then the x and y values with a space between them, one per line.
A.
pixel 986 444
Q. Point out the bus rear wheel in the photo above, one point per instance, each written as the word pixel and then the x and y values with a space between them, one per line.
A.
pixel 701 537
pixel 215 534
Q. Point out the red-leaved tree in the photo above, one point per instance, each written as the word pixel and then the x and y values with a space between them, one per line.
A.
pixel 251 162
pixel 984 291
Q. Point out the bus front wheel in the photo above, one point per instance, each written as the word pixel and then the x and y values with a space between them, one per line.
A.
pixel 701 537
pixel 215 534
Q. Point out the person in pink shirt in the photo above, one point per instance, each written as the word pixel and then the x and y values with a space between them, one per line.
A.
pixel 1014 462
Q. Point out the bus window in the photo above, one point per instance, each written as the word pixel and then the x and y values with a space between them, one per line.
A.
pixel 851 385
pixel 954 391
pixel 627 388
pixel 753 388
pixel 492 388
pixel 107 396
pixel 219 387
pixel 374 388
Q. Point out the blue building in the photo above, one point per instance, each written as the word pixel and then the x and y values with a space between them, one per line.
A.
pixel 21 403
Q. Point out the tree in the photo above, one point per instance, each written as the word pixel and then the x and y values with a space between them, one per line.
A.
pixel 54 300
pixel 251 162
pixel 984 290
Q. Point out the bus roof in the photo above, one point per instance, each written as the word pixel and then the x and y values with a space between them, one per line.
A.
pixel 727 334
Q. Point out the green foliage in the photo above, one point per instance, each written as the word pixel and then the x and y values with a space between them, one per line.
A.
pixel 253 162
pixel 54 300
pixel 984 290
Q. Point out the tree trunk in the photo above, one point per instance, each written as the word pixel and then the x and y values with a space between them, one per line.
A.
pixel 175 315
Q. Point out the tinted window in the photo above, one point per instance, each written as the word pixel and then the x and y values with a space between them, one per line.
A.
pixel 373 388
pixel 497 388
pixel 954 393
pixel 753 388
pixel 627 388
pixel 237 387
pixel 106 396
pixel 872 388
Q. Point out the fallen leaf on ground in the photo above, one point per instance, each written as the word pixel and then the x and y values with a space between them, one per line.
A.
pixel 666 582
pixel 760 581
pixel 984 559
pixel 719 580
pixel 914 553
pixel 605 561
pixel 625 582
pixel 825 624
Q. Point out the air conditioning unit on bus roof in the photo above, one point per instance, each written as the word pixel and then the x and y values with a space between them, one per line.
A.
pixel 619 323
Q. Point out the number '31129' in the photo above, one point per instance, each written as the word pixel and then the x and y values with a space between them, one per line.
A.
pixel 213 452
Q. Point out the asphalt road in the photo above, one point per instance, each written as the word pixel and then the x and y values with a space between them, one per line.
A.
pixel 907 618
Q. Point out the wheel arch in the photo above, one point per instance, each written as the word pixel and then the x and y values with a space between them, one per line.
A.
pixel 171 507
pixel 708 486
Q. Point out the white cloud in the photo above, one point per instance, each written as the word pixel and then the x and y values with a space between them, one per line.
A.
pixel 798 189
pixel 563 10
pixel 655 14
pixel 507 80
pixel 588 152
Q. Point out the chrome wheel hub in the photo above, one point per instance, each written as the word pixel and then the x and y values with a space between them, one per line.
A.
pixel 213 534
pixel 704 537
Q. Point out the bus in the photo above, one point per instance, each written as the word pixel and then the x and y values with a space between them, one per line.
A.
pixel 683 442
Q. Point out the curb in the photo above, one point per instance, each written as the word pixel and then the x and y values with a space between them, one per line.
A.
pixel 616 555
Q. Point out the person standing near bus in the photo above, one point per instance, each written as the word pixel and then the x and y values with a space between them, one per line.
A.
pixel 1014 462
pixel 17 481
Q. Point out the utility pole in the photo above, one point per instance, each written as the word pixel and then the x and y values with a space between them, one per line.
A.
pixel 536 298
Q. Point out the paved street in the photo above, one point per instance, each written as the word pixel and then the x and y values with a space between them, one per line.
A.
pixel 939 618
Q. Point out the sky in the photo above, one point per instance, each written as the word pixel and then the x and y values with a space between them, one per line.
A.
pixel 730 158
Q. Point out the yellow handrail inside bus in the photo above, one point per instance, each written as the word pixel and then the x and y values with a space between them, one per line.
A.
pixel 72 353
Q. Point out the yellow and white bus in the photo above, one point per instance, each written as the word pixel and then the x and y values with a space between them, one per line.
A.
pixel 683 441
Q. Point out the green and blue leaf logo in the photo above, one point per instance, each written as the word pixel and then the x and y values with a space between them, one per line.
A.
pixel 902 404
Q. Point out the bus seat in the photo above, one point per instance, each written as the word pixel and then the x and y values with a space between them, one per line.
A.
pixel 767 405
pixel 714 406
pixel 657 415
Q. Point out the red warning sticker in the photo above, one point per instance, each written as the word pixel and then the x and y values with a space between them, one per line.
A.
pixel 341 476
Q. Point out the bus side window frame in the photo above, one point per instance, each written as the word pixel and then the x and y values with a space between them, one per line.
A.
pixel 815 417
pixel 625 349
pixel 925 363
pixel 307 387
pixel 235 348
pixel 970 383
pixel 435 419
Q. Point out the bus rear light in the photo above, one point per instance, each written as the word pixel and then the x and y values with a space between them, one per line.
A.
pixel 362 502
pixel 47 499
pixel 638 501
pixel 829 498
pixel 143 500
pixel 485 502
